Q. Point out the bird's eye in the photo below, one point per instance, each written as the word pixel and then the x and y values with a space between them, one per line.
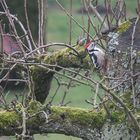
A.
pixel 93 44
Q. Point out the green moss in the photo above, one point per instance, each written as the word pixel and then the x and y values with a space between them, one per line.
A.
pixel 127 98
pixel 8 119
pixel 37 118
pixel 91 119
pixel 34 106
pixel 117 116
pixel 138 138
pixel 36 121
pixel 42 79
pixel 65 57
pixel 124 26
pixel 19 107
pixel 11 118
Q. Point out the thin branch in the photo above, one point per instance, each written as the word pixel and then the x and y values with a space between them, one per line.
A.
pixel 107 13
pixel 68 87
pixel 15 80
pixel 70 23
pixel 5 76
pixel 56 91
pixel 53 44
pixel 22 27
pixel 98 15
pixel 126 109
pixel 68 14
pixel 96 94
pixel 94 27
pixel 28 25
pixel 42 22
pixel 23 122
pixel 132 60
pixel 19 41
pixel 39 22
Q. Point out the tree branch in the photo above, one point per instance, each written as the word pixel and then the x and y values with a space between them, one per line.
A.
pixel 77 122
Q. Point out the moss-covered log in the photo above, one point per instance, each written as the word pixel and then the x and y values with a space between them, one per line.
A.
pixel 77 122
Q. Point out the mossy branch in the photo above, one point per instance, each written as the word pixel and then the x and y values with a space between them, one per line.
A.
pixel 64 120
pixel 66 57
pixel 76 122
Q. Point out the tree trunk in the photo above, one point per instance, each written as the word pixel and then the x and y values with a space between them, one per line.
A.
pixel 124 54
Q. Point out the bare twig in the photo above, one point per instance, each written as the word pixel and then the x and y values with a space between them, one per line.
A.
pixel 138 8
pixel 56 91
pixel 68 87
pixel 132 60
pixel 68 14
pixel 98 15
pixel 96 94
pixel 70 24
pixel 5 76
pixel 40 25
pixel 23 122
pixel 22 27
pixel 5 7
pixel 53 44
pixel 97 33
pixel 28 25
pixel 126 109
pixel 15 80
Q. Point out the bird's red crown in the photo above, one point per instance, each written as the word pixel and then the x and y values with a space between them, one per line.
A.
pixel 87 44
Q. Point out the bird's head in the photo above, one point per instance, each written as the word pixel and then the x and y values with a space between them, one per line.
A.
pixel 87 44
pixel 81 41
pixel 90 45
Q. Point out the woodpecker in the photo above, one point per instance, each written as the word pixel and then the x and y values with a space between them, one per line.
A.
pixel 96 54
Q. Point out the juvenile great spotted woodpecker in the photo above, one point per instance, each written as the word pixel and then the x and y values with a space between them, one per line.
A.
pixel 96 54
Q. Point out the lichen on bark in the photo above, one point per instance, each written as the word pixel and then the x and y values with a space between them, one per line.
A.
pixel 124 59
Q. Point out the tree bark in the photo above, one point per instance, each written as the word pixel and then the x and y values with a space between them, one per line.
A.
pixel 123 52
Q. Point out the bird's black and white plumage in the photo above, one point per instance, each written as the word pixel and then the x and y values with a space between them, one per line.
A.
pixel 96 54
